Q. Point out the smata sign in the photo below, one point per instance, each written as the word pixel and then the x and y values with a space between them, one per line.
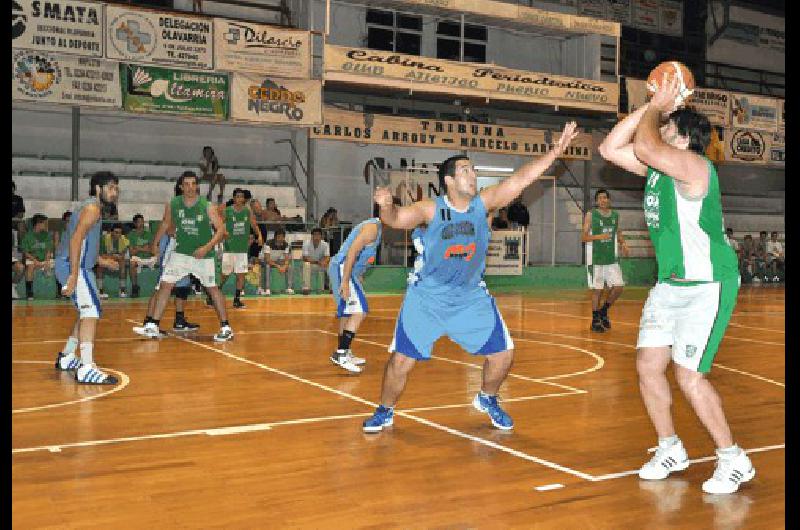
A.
pixel 65 26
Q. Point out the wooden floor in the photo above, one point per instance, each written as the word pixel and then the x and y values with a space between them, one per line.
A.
pixel 265 432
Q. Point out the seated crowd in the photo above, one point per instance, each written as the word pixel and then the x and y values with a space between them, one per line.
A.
pixel 760 260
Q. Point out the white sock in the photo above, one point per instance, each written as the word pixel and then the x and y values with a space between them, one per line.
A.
pixel 70 347
pixel 668 441
pixel 87 356
pixel 729 451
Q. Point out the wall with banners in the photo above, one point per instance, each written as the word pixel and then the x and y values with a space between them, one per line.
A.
pixel 655 16
pixel 153 89
pixel 744 126
pixel 752 39
pixel 55 78
pixel 275 100
pixel 65 26
pixel 424 74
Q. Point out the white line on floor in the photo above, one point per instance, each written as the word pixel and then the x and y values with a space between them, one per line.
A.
pixel 610 476
pixel 549 487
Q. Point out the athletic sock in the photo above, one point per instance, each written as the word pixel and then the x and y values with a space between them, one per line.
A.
pixel 605 307
pixel 484 394
pixel 596 315
pixel 156 322
pixel 147 320
pixel 224 323
pixel 729 451
pixel 668 441
pixel 87 356
pixel 345 339
pixel 29 288
pixel 71 346
pixel 238 294
pixel 179 316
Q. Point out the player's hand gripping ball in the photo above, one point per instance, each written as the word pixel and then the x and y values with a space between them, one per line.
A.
pixel 673 69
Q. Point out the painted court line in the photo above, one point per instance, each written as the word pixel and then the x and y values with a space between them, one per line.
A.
pixel 477 366
pixel 622 344
pixel 423 421
pixel 549 487
pixel 610 476
pixel 123 382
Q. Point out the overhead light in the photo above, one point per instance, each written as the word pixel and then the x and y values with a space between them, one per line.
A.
pixel 493 168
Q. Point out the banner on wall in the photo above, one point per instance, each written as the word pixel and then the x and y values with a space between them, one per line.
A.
pixel 248 47
pixel 777 148
pixel 781 115
pixel 66 26
pixel 754 112
pixel 53 78
pixel 409 72
pixel 390 130
pixel 747 145
pixel 645 15
pixel 671 17
pixel 714 104
pixel 637 93
pixel 168 91
pixel 504 255
pixel 152 37
pixel 276 100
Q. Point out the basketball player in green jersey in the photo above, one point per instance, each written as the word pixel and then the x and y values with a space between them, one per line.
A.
pixel 601 234
pixel 239 220
pixel 191 217
pixel 687 311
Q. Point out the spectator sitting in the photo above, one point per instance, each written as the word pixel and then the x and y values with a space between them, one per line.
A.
pixel 748 256
pixel 37 246
pixel 501 221
pixel 141 240
pixel 209 170
pixel 775 256
pixel 114 246
pixel 330 219
pixel 518 213
pixel 17 204
pixel 316 256
pixel 59 237
pixel 761 258
pixel 735 246
pixel 278 255
pixel 17 266
pixel 271 211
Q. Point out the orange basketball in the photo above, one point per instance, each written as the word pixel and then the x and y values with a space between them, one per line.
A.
pixel 672 68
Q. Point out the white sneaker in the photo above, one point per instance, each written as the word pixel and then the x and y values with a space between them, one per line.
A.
pixel 343 360
pixel 123 294
pixel 776 279
pixel 289 291
pixel 103 296
pixel 263 292
pixel 665 461
pixel 225 334
pixel 358 361
pixel 731 471
pixel 89 374
pixel 756 279
pixel 14 294
pixel 149 330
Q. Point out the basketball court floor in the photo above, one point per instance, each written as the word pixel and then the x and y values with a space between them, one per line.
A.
pixel 265 432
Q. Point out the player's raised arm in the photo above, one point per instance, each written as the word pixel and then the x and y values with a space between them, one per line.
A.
pixel 403 217
pixel 617 147
pixel 682 164
pixel 502 194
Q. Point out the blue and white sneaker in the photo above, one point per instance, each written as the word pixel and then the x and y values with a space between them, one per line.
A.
pixel 67 362
pixel 89 374
pixel 383 417
pixel 489 405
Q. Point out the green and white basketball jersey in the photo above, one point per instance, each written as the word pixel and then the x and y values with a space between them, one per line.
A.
pixel 603 251
pixel 688 235
pixel 192 226
pixel 238 226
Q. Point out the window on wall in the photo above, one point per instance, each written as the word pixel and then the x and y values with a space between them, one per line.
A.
pixel 448 41
pixel 394 32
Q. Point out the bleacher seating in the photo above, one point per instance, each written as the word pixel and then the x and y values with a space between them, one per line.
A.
pixel 45 183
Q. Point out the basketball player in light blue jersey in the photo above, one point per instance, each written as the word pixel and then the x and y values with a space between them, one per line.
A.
pixel 166 245
pixel 347 267
pixel 76 257
pixel 447 296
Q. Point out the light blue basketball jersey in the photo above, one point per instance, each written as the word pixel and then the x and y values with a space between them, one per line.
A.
pixel 367 255
pixel 91 243
pixel 454 247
